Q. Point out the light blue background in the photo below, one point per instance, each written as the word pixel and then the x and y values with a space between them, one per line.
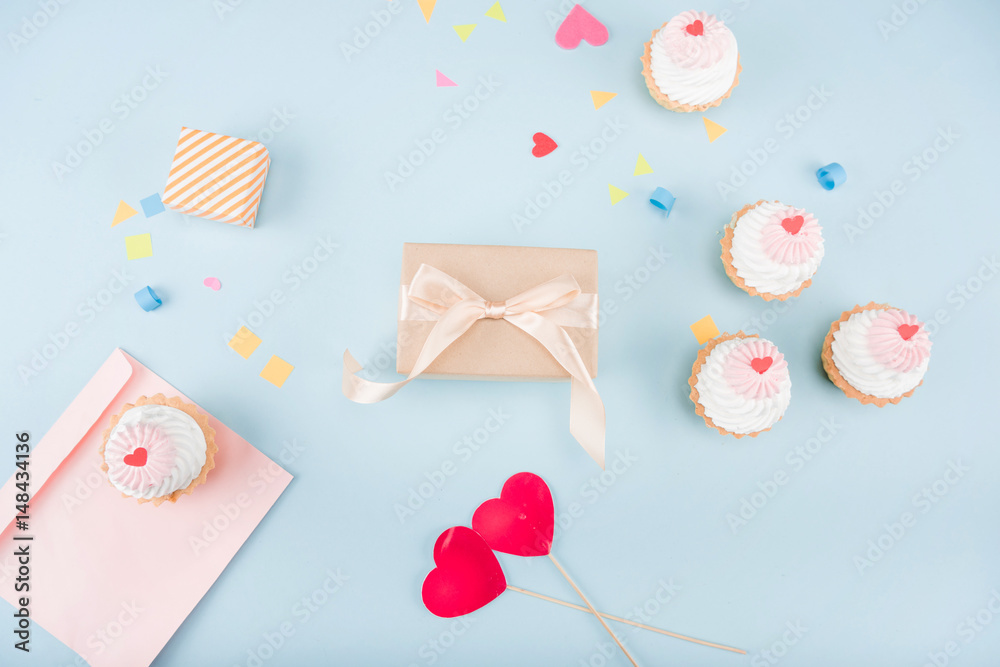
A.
pixel 665 516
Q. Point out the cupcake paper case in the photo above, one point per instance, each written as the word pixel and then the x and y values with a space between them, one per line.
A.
pixel 691 63
pixel 876 353
pixel 740 384
pixel 772 250
pixel 158 449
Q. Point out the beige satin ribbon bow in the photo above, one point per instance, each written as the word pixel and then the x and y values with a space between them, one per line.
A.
pixel 541 312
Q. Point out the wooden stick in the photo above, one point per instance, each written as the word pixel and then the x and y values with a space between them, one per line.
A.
pixel 625 620
pixel 593 611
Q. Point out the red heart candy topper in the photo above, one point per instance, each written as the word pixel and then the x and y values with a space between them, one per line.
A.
pixel 522 520
pixel 467 577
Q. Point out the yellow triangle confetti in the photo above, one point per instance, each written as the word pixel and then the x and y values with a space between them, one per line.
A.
pixel 123 213
pixel 617 194
pixel 642 167
pixel 496 12
pixel 714 129
pixel 464 30
pixel 427 7
pixel 601 98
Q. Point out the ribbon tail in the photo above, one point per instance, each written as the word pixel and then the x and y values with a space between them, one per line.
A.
pixel 586 410
pixel 360 390
pixel 587 420
pixel 448 329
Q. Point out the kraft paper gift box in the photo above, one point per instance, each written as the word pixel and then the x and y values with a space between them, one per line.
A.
pixel 109 577
pixel 498 313
pixel 217 177
pixel 493 349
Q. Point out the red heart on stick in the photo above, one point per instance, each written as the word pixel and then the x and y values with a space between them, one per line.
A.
pixel 543 144
pixel 906 331
pixel 137 458
pixel 467 576
pixel 522 520
pixel 761 364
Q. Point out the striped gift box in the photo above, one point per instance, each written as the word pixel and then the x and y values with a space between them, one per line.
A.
pixel 217 177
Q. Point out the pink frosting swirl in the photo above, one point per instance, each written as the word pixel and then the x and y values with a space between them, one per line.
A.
pixel 140 457
pixel 898 340
pixel 792 236
pixel 696 40
pixel 756 369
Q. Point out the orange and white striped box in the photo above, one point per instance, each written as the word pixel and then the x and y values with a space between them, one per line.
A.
pixel 217 177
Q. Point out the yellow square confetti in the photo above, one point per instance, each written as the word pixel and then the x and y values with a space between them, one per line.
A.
pixel 704 329
pixel 139 246
pixel 244 342
pixel 277 371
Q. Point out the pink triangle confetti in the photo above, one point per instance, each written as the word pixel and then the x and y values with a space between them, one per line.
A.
pixel 443 81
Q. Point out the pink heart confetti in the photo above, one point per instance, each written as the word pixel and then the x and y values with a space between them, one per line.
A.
pixel 213 283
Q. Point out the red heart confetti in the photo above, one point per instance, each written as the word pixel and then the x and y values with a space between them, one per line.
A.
pixel 543 144
pixel 137 458
pixel 522 520
pixel 792 225
pixel 696 29
pixel 761 364
pixel 906 331
pixel 467 576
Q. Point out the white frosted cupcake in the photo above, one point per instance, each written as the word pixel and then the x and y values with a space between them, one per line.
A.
pixel 772 250
pixel 877 354
pixel 158 449
pixel 691 63
pixel 740 384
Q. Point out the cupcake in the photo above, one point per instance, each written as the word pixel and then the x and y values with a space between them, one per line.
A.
pixel 772 250
pixel 158 449
pixel 740 384
pixel 691 63
pixel 876 353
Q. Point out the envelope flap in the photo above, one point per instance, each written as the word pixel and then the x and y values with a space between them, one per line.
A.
pixel 69 429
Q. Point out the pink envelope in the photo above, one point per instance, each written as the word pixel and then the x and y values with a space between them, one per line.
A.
pixel 111 578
